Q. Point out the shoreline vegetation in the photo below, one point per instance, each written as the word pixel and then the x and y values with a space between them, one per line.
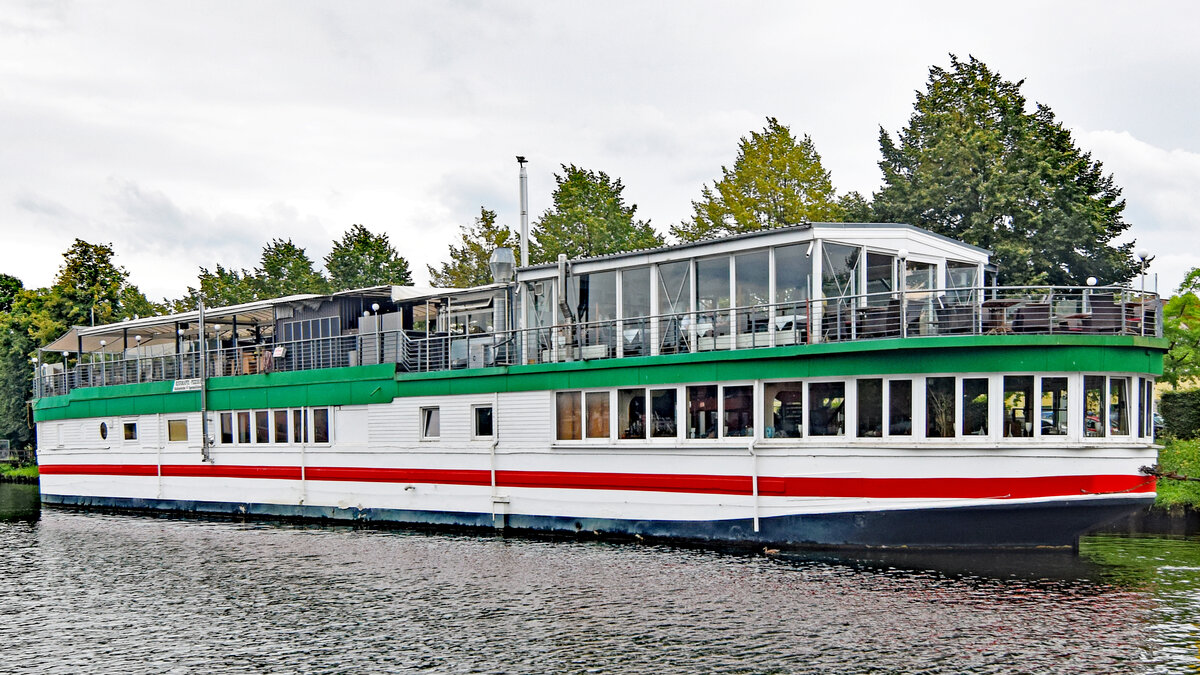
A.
pixel 1175 497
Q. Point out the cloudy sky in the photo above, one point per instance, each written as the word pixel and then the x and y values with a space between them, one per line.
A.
pixel 191 133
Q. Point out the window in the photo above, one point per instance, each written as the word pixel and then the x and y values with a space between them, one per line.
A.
pixel 702 411
pixel 567 414
pixel 870 408
pixel 320 425
pixel 597 414
pixel 177 430
pixel 483 421
pixel 226 428
pixel 1018 406
pixel 103 431
pixel 431 422
pixel 880 271
pixel 900 408
pixel 131 431
pixel 826 409
pixel 975 406
pixel 663 411
pixel 631 413
pixel 783 409
pixel 1054 406
pixel 1118 405
pixel 243 420
pixel 1094 420
pixel 262 426
pixel 939 407
pixel 281 426
pixel 311 328
pixel 299 427
pixel 738 404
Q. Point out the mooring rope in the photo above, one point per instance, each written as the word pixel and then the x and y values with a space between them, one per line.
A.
pixel 1169 475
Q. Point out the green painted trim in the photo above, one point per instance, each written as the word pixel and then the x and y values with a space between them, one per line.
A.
pixel 360 385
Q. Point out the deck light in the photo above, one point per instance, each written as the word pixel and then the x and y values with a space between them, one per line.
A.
pixel 502 262
pixel 1092 281
pixel 375 307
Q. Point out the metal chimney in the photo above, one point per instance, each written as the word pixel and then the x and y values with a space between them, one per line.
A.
pixel 524 213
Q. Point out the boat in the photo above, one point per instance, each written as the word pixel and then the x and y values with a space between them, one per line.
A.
pixel 821 385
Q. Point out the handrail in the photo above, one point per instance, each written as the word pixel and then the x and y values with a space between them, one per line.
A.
pixel 912 313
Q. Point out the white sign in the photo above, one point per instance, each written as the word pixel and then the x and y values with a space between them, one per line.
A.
pixel 191 384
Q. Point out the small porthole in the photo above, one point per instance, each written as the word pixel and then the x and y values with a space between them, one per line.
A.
pixel 103 431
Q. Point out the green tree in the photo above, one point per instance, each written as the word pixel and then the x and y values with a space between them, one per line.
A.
pixel 361 259
pixel 219 288
pixel 1181 328
pixel 9 287
pixel 468 265
pixel 286 269
pixel 589 218
pixel 775 181
pixel 974 165
pixel 16 372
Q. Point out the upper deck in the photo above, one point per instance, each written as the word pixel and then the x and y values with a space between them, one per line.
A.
pixel 818 283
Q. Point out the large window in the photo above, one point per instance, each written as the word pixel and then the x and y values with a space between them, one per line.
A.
pixel 310 329
pixel 975 406
pixel 631 413
pixel 635 306
pixel 738 404
pixel 1118 405
pixel 663 410
pixel 320 425
pixel 1094 422
pixel 870 408
pixel 826 409
pixel 596 403
pixel 1018 406
pixel 702 411
pixel 1054 406
pixel 243 424
pixel 281 426
pixel 900 408
pixel 567 412
pixel 939 407
pixel 783 409
pixel 262 426
pixel 839 273
pixel 880 272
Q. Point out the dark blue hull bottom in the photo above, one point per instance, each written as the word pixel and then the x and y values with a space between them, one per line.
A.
pixel 1053 524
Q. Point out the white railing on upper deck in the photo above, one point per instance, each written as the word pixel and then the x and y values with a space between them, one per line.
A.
pixel 979 311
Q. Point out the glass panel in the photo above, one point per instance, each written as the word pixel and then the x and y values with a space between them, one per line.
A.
pixel 870 408
pixel 939 407
pixel 262 426
pixel 602 300
pixel 753 278
pixel 1054 406
pixel 712 284
pixel 880 269
pixel 702 411
pixel 1118 405
pixel 635 304
pixel 567 412
pixel 320 425
pixel 900 408
pixel 631 413
pixel 826 412
pixel 739 411
pixel 663 411
pixel 243 422
pixel 226 428
pixel 1093 402
pixel 783 409
pixel 177 430
pixel 840 270
pixel 431 422
pixel 975 406
pixel 793 273
pixel 962 276
pixel 299 427
pixel 1018 406
pixel 281 426
pixel 131 431
pixel 674 288
pixel 597 414
pixel 1142 408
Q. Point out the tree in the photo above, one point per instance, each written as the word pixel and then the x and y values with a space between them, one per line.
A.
pixel 1181 328
pixel 9 287
pixel 974 165
pixel 219 288
pixel 361 259
pixel 589 218
pixel 285 269
pixel 775 181
pixel 468 265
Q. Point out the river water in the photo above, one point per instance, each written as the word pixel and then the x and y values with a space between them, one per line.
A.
pixel 89 593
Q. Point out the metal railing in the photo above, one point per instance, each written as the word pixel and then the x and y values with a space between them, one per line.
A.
pixel 909 314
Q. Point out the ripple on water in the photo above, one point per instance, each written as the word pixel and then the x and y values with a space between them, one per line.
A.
pixel 85 593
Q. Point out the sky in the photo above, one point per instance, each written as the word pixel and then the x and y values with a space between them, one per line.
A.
pixel 190 134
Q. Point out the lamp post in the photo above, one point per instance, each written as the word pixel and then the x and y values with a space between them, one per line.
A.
pixel 378 336
pixel 138 355
pixel 1144 256
pixel 103 359
pixel 902 282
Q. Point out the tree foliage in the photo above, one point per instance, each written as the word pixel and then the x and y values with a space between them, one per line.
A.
pixel 973 164
pixel 361 259
pixel 1181 328
pixel 775 181
pixel 284 269
pixel 9 287
pixel 589 218
pixel 468 264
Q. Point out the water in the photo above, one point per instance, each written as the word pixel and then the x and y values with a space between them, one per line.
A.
pixel 133 594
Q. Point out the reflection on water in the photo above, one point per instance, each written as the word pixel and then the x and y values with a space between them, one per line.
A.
pixel 88 593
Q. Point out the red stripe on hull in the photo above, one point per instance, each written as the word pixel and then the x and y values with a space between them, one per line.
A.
pixel 877 488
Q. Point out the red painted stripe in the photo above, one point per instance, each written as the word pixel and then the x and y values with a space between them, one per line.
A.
pixel 869 488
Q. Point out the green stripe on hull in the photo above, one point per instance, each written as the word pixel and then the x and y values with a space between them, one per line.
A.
pixel 381 384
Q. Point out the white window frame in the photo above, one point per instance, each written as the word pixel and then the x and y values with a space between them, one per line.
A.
pixel 422 413
pixel 475 436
